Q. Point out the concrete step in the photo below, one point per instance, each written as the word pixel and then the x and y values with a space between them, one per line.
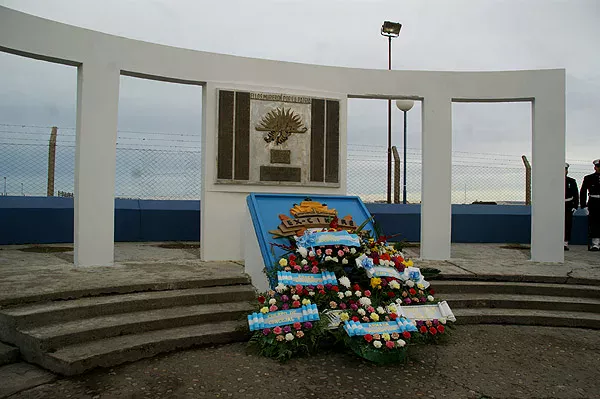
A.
pixel 54 336
pixel 127 288
pixel 527 317
pixel 76 359
pixel 506 301
pixel 519 278
pixel 443 287
pixel 8 354
pixel 19 377
pixel 29 316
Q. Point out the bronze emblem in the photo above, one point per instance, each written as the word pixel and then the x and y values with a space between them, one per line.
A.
pixel 281 123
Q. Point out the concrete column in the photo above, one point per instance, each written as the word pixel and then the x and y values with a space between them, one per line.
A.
pixel 548 178
pixel 208 151
pixel 436 180
pixel 95 157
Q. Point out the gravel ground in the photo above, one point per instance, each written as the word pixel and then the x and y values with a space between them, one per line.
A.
pixel 482 361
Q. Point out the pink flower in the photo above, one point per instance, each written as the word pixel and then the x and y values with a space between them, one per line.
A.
pixel 367 293
pixel 266 331
pixel 320 286
pixel 340 253
pixel 308 325
pixel 272 308
pixel 297 268
pixel 328 251
pixel 354 306
pixel 277 330
pixel 389 344
pixel 297 326
pixel 370 309
pixel 318 252
pixel 287 268
pixel 285 306
pixel 299 288
pixel 315 270
pixel 306 268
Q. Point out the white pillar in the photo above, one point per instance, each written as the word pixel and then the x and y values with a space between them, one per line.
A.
pixel 436 180
pixel 548 178
pixel 95 157
pixel 208 149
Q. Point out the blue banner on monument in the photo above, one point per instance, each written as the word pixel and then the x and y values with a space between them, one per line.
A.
pixel 258 321
pixel 324 278
pixel 399 325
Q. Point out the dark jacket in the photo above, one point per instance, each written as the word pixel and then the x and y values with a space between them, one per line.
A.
pixel 571 192
pixel 591 184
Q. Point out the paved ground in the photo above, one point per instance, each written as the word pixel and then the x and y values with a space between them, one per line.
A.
pixel 27 274
pixel 477 362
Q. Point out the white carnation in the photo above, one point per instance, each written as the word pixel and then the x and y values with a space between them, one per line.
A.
pixel 327 258
pixel 335 259
pixel 311 254
pixel 304 262
pixel 364 301
pixel 394 285
pixel 352 251
pixel 380 310
pixel 377 344
pixel 429 298
pixel 361 312
pixel 311 293
pixel 344 261
pixel 348 293
pixel 345 281
pixel 358 294
pixel 410 283
pixel 400 342
pixel 281 288
pixel 443 320
pixel 295 298
pixel 302 251
pixel 272 301
pixel 289 337
pixel 341 295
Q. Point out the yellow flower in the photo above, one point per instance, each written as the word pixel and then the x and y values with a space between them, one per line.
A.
pixel 408 263
pixel 344 317
pixel 392 308
pixel 283 262
pixel 306 301
pixel 420 286
pixel 376 282
pixel 374 317
pixel 264 310
pixel 385 336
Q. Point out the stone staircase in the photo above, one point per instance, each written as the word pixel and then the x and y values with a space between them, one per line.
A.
pixel 521 302
pixel 71 336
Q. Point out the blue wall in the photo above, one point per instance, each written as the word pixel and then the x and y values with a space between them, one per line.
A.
pixel 42 220
pixel 39 220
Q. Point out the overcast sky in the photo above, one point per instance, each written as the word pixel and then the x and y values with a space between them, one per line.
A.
pixel 436 35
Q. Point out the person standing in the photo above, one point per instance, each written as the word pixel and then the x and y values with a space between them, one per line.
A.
pixel 571 204
pixel 591 204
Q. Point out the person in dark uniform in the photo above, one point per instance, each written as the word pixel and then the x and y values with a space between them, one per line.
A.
pixel 571 204
pixel 590 202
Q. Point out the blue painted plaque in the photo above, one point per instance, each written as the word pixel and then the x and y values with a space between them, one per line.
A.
pixel 266 208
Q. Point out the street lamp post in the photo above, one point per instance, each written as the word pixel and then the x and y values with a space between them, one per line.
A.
pixel 390 30
pixel 404 106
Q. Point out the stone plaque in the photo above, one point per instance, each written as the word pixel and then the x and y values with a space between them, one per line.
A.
pixel 258 132
pixel 280 156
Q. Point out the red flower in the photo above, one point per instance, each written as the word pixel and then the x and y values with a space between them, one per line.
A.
pixel 334 223
pixel 412 291
pixel 296 304
pixel 314 263
pixel 393 316
pixel 440 329
pixel 356 287
pixel 322 292
pixel 355 318
pixel 292 257
pixel 297 326
pixel 423 329
pixel 351 301
pixel 368 338
pixel 432 292
pixel 406 334
pixel 367 293
pixel 261 299
pixel 432 330
pixel 335 288
pixel 385 256
pixel 391 294
pixel 381 239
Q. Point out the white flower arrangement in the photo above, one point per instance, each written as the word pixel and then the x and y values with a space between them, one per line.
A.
pixel 358 293
pixel 281 288
pixel 364 301
pixel 348 293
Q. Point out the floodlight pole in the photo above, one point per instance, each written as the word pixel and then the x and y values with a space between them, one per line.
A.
pixel 389 146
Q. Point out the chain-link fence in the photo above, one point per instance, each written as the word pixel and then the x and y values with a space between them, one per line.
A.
pixel 168 166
